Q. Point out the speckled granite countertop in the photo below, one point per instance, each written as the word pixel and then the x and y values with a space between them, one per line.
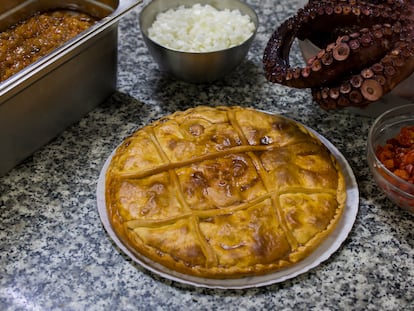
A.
pixel 56 255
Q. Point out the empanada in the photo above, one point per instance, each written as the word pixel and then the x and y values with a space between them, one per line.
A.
pixel 224 192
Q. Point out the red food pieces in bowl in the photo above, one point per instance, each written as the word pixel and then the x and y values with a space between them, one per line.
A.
pixel 397 154
pixel 406 136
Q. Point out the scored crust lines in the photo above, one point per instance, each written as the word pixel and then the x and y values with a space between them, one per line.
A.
pixel 194 215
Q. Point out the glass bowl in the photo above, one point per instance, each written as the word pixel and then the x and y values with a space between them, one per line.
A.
pixel 385 127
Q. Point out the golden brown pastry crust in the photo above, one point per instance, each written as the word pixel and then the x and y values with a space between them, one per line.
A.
pixel 224 192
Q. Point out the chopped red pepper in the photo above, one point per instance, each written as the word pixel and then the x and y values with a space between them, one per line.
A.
pixel 406 136
pixel 397 154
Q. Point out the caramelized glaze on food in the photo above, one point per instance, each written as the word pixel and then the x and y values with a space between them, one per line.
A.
pixel 26 42
pixel 224 192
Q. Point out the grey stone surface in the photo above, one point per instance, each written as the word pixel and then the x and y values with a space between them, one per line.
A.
pixel 56 255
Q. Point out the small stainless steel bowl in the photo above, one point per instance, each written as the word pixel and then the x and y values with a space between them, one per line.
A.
pixel 190 66
pixel 385 127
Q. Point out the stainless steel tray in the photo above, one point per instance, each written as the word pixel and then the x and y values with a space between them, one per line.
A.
pixel 44 98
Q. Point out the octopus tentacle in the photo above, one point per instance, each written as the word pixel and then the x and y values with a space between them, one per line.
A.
pixel 276 54
pixel 345 17
pixel 340 57
pixel 368 51
pixel 371 83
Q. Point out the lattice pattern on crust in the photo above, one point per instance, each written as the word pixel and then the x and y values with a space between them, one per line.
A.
pixel 224 192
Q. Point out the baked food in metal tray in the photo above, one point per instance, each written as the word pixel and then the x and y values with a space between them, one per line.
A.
pixel 223 192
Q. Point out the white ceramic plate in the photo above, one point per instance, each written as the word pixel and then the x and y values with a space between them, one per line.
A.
pixel 322 253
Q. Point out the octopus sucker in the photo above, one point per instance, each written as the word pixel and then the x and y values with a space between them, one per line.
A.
pixel 368 86
pixel 365 52
pixel 329 64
